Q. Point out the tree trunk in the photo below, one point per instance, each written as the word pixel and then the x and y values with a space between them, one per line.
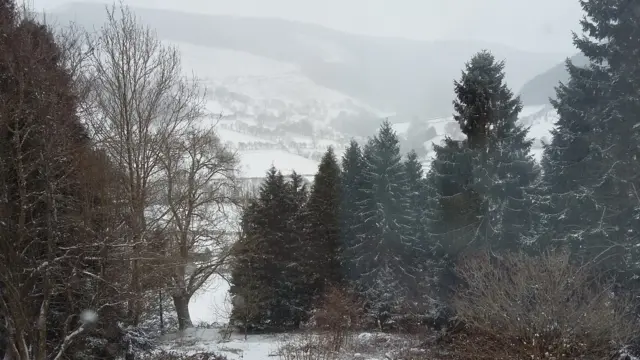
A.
pixel 181 303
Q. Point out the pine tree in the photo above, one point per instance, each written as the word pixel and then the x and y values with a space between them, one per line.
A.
pixel 254 258
pixel 591 171
pixel 270 257
pixel 503 168
pixel 416 186
pixel 351 195
pixel 387 240
pixel 249 281
pixel 297 279
pixel 453 204
pixel 323 216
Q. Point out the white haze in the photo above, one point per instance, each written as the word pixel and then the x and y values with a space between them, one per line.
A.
pixel 539 26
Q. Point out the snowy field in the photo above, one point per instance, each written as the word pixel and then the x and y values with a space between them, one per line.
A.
pixel 365 346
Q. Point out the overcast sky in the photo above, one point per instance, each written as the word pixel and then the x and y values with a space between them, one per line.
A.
pixel 536 25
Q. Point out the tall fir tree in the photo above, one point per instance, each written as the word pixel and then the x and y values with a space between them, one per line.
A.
pixel 453 207
pixel 416 185
pixel 323 218
pixel 256 255
pixel 297 284
pixel 504 171
pixel 352 194
pixel 591 170
pixel 270 257
pixel 387 241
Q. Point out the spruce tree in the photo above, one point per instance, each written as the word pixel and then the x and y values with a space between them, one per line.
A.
pixel 387 241
pixel 267 256
pixel 296 285
pixel 453 205
pixel 503 168
pixel 352 194
pixel 591 171
pixel 416 186
pixel 323 218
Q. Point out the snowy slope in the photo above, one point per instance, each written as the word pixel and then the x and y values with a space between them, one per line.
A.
pixel 264 85
pixel 257 104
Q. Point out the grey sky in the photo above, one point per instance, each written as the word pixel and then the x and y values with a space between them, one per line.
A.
pixel 536 25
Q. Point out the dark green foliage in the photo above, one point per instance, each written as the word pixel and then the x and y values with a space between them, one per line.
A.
pixel 416 193
pixel 386 243
pixel 480 190
pixel 323 218
pixel 56 233
pixel 453 204
pixel 352 194
pixel 270 277
pixel 503 168
pixel 591 169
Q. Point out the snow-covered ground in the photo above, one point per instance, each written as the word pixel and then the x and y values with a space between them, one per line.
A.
pixel 196 340
pixel 365 346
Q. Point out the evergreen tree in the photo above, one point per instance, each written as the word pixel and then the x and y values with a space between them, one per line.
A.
pixel 297 279
pixel 323 217
pixel 249 280
pixel 591 171
pixel 351 195
pixel 270 256
pixel 416 186
pixel 453 205
pixel 387 240
pixel 503 168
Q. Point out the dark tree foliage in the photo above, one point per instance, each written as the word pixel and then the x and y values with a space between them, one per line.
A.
pixel 351 195
pixel 591 169
pixel 416 186
pixel 453 205
pixel 504 171
pixel 56 201
pixel 385 246
pixel 323 217
pixel 271 276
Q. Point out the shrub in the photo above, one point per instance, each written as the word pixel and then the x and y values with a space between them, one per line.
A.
pixel 339 314
pixel 517 306
pixel 307 346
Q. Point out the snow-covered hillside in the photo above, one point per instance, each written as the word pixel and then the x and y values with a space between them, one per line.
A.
pixel 269 111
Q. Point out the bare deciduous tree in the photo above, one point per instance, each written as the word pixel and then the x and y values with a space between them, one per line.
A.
pixel 200 189
pixel 140 101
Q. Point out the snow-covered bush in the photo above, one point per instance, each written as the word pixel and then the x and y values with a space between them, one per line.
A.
pixel 517 306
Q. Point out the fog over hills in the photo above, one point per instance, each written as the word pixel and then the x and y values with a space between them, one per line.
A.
pixel 412 78
pixel 287 90
pixel 539 89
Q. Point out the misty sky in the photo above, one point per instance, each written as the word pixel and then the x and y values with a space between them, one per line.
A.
pixel 536 25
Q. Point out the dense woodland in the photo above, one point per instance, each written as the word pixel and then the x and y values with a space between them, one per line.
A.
pixel 115 208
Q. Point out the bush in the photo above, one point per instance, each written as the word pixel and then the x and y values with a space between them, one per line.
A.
pixel 307 346
pixel 517 307
pixel 340 313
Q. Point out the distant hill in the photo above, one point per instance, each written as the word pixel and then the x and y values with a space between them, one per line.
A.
pixel 540 88
pixel 406 77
